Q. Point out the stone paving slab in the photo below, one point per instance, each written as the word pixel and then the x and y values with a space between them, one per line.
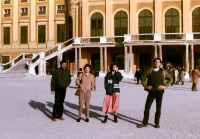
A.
pixel 26 108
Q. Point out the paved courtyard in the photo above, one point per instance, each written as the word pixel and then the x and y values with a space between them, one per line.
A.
pixel 26 109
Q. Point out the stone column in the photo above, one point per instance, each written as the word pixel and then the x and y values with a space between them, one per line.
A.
pixel 133 20
pixel 32 30
pixel 158 16
pixel 125 59
pixel 186 62
pixel 101 59
pixel 80 63
pixel 59 56
pixel 76 61
pixel 51 42
pixel 85 20
pixel 160 51
pixel 77 21
pixel 42 65
pixel 155 51
pixel 187 27
pixel 192 55
pixel 108 22
pixel 105 60
pixel 14 32
pixel 131 60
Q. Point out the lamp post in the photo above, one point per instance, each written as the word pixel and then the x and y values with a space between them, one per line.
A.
pixel 1 65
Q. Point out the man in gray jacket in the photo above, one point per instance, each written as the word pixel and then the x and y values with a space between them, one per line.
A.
pixel 60 80
pixel 155 85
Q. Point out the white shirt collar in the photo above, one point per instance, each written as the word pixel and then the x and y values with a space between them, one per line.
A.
pixel 156 69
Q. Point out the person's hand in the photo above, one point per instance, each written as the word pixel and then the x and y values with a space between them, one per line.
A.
pixel 52 92
pixel 149 87
pixel 161 87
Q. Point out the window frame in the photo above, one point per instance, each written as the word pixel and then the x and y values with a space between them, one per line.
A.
pixel 24 34
pixel 45 12
pixel 26 12
pixel 64 10
pixel 10 2
pixel 9 15
pixel 24 2
pixel 8 36
pixel 43 34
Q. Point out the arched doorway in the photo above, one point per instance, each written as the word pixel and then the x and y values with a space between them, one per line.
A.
pixel 145 24
pixel 172 58
pixel 121 25
pixel 196 22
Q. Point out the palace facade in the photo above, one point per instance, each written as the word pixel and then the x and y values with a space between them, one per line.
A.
pixel 169 29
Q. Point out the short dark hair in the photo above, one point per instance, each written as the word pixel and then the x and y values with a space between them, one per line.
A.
pixel 88 65
pixel 157 58
pixel 111 66
pixel 80 69
pixel 62 61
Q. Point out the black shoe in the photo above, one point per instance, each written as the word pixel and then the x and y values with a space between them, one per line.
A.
pixel 87 120
pixel 142 125
pixel 105 119
pixel 115 119
pixel 157 126
pixel 78 120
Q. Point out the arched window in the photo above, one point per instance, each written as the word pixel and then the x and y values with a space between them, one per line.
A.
pixel 70 23
pixel 121 25
pixel 97 24
pixel 196 22
pixel 172 24
pixel 145 24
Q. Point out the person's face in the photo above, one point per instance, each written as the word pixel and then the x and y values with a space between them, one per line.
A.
pixel 115 68
pixel 87 69
pixel 64 65
pixel 157 63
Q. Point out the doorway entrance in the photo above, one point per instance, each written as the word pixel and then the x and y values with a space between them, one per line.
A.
pixel 145 61
pixel 174 57
pixel 95 61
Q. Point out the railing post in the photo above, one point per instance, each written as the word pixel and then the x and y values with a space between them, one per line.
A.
pixel 42 65
pixel 31 69
pixel 13 63
pixel 59 56
pixel 1 68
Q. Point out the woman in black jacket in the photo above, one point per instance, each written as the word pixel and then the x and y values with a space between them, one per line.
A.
pixel 111 99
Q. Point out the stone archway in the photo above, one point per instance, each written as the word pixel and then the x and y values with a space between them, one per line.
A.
pixel 173 57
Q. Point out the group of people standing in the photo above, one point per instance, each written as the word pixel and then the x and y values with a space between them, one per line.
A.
pixel 154 81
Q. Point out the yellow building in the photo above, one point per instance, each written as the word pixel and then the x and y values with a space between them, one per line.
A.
pixel 169 25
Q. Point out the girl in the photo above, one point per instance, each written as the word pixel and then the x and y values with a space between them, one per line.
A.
pixel 111 99
pixel 86 83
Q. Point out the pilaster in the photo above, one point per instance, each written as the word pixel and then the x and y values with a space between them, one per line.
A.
pixel 158 16
pixel 33 30
pixel 14 32
pixel 108 21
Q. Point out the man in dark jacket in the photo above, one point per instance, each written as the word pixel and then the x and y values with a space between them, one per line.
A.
pixel 59 82
pixel 155 85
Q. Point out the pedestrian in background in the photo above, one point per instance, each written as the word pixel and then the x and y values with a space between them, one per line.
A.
pixel 195 77
pixel 137 75
pixel 60 80
pixel 86 83
pixel 79 71
pixel 112 97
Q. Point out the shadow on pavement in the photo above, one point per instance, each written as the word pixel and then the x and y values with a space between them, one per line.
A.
pixel 40 106
pixel 66 112
pixel 73 87
pixel 92 113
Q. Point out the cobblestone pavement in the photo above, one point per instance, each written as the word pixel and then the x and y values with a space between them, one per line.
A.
pixel 26 109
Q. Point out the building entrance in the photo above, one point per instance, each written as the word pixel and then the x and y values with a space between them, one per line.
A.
pixel 172 58
pixel 145 61
pixel 95 61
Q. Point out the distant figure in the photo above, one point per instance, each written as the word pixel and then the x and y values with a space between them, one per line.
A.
pixel 190 73
pixel 182 77
pixel 137 75
pixel 170 72
pixel 60 80
pixel 79 71
pixel 26 66
pixel 155 85
pixel 195 77
pixel 176 76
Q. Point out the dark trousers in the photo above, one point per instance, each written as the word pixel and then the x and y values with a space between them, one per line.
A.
pixel 194 86
pixel 58 104
pixel 138 80
pixel 154 94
